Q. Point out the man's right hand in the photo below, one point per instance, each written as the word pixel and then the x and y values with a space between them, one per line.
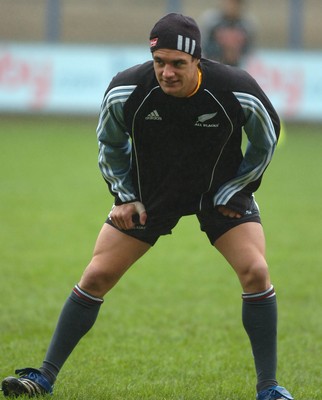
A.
pixel 122 215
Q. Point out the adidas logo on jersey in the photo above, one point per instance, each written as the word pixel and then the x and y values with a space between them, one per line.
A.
pixel 154 116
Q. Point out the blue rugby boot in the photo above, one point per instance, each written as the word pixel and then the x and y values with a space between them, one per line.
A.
pixel 274 393
pixel 30 383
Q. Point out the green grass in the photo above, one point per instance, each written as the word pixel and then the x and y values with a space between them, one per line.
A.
pixel 171 329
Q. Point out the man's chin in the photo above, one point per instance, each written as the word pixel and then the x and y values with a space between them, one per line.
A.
pixel 172 90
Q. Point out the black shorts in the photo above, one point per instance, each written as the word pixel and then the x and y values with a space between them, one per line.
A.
pixel 212 222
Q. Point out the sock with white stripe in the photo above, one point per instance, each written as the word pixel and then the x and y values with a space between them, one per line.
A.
pixel 260 322
pixel 76 319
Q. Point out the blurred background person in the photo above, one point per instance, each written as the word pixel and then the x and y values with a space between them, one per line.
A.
pixel 228 33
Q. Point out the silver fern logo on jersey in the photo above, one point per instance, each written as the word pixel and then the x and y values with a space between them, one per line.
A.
pixel 202 121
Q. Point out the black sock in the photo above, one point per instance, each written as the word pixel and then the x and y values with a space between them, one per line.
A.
pixel 260 322
pixel 76 319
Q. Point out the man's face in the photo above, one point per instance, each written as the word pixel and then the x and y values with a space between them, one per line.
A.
pixel 176 72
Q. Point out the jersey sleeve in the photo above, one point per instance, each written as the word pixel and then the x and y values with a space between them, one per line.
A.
pixel 262 129
pixel 115 145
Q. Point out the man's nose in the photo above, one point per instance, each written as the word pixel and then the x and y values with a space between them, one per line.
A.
pixel 168 70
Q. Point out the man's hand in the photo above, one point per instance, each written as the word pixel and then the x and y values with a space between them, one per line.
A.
pixel 122 215
pixel 227 212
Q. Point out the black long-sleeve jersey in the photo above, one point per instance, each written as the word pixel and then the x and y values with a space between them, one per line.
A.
pixel 180 155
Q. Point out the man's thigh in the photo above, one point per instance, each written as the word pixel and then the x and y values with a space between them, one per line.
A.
pixel 116 248
pixel 242 245
pixel 244 248
pixel 114 253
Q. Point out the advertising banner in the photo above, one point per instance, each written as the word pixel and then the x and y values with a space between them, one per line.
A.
pixel 60 79
pixel 292 81
pixel 65 79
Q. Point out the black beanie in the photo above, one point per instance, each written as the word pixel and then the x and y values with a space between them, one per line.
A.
pixel 177 32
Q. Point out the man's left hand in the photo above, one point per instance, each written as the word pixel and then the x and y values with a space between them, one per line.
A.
pixel 227 212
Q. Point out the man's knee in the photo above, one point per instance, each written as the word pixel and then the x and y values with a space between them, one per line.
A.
pixel 254 276
pixel 98 278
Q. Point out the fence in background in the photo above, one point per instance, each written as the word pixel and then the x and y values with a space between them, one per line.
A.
pixel 54 12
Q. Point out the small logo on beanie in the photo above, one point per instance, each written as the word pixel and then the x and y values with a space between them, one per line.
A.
pixel 153 42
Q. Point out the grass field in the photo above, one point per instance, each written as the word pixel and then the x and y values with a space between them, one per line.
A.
pixel 172 328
